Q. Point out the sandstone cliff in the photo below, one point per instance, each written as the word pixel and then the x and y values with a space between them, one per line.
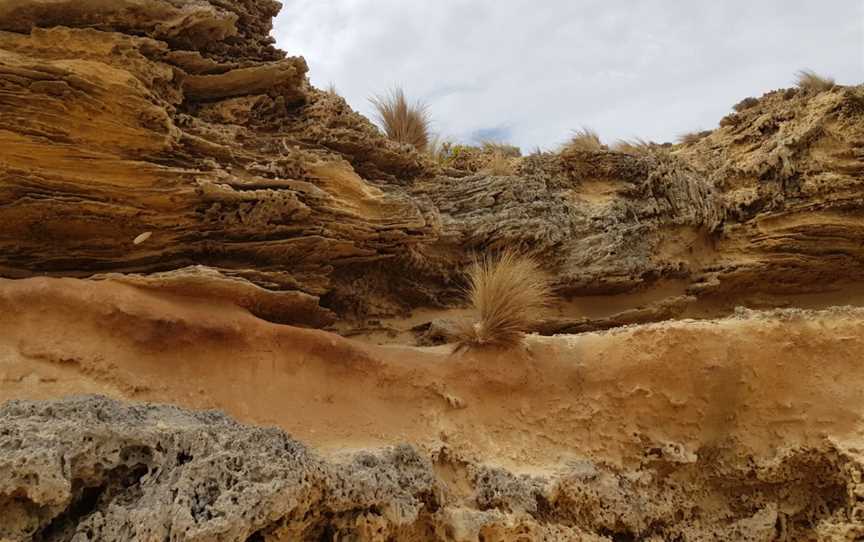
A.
pixel 173 191
pixel 91 469
pixel 180 119
pixel 744 428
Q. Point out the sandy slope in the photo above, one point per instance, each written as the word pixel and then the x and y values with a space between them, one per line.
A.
pixel 747 427
pixel 766 380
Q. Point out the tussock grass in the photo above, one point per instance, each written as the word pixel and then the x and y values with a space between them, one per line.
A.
pixel 510 151
pixel 693 137
pixel 403 121
pixel 499 164
pixel 745 104
pixel 509 293
pixel 635 146
pixel 584 139
pixel 810 80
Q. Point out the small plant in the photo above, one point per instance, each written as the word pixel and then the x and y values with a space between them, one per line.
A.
pixel 402 121
pixel 584 139
pixel 510 151
pixel 811 81
pixel 459 150
pixel 636 147
pixel 509 294
pixel 693 137
pixel 440 149
pixel 745 104
pixel 499 164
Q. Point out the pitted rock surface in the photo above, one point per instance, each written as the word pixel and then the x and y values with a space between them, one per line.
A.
pixel 93 469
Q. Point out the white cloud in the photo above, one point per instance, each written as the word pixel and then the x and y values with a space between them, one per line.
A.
pixel 537 70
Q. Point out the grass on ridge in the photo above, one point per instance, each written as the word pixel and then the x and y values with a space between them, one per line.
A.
pixel 402 121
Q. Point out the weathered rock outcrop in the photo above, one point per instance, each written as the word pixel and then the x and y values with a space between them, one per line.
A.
pixel 746 427
pixel 597 219
pixel 790 169
pixel 173 191
pixel 91 469
pixel 181 120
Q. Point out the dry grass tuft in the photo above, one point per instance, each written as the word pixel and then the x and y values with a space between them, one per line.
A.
pixel 637 146
pixel 402 121
pixel 584 139
pixel 810 80
pixel 509 293
pixel 745 104
pixel 693 137
pixel 499 164
pixel 510 151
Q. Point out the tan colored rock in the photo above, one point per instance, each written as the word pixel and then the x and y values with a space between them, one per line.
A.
pixel 652 430
pixel 284 78
pixel 95 115
pixel 285 307
pixel 791 171
pixel 196 24
pixel 130 117
pixel 167 153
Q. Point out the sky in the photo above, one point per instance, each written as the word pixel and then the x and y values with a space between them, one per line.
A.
pixel 530 72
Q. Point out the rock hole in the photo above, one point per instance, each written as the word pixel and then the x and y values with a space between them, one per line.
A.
pixel 183 458
pixel 82 505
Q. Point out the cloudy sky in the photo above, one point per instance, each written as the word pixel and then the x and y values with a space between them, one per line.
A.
pixel 529 72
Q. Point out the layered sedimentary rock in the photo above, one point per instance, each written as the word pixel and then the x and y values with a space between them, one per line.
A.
pixel 92 469
pixel 744 428
pixel 790 169
pixel 180 121
pixel 173 191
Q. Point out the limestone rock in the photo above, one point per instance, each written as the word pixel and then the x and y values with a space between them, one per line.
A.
pixel 111 134
pixel 88 469
pixel 181 119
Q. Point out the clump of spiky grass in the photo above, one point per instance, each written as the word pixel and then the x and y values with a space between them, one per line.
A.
pixel 499 164
pixel 403 121
pixel 745 104
pixel 491 146
pixel 810 80
pixel 509 293
pixel 584 139
pixel 693 137
pixel 635 146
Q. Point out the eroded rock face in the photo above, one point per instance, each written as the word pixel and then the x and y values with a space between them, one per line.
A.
pixel 91 469
pixel 165 151
pixel 179 119
pixel 182 121
pixel 746 427
pixel 791 171
pixel 597 219
pixel 95 469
